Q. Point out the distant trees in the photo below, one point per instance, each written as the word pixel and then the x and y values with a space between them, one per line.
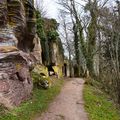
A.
pixel 67 39
pixel 96 31
pixel 77 31
pixel 110 50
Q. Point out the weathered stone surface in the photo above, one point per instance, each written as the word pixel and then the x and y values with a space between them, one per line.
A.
pixel 15 81
pixel 17 20
pixel 4 87
pixel 17 31
pixel 54 42
pixel 37 50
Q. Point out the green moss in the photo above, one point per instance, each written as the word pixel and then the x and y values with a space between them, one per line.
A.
pixel 40 76
pixel 58 71
pixel 41 69
pixel 38 104
pixel 98 105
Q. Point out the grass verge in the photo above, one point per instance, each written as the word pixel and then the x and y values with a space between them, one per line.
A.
pixel 98 105
pixel 38 104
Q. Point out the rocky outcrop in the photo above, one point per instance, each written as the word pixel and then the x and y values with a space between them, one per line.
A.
pixel 53 45
pixel 37 50
pixel 17 19
pixel 15 80
pixel 17 31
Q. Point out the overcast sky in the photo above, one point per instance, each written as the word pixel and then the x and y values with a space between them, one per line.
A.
pixel 52 7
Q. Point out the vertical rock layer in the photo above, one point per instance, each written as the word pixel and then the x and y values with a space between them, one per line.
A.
pixel 17 31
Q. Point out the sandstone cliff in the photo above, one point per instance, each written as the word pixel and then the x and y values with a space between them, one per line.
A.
pixel 17 31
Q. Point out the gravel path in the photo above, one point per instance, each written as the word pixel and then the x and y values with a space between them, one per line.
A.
pixel 69 104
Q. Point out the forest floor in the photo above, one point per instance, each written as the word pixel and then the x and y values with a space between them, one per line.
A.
pixel 69 104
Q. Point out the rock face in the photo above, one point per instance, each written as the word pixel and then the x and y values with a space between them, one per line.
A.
pixel 15 80
pixel 37 50
pixel 17 31
pixel 17 19
pixel 54 44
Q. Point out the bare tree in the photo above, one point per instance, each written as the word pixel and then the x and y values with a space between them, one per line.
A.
pixel 39 5
pixel 66 35
pixel 70 7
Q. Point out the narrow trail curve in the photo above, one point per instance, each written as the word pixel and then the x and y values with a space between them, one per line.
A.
pixel 69 104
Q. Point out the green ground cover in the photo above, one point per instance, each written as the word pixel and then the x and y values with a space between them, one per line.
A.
pixel 38 104
pixel 98 105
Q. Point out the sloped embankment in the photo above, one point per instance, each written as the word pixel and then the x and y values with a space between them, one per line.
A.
pixel 99 105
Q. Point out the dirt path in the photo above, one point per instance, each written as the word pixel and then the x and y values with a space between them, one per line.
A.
pixel 69 104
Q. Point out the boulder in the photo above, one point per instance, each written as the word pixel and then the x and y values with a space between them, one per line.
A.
pixel 15 80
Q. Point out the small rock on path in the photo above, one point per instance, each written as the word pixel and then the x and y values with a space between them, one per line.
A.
pixel 69 104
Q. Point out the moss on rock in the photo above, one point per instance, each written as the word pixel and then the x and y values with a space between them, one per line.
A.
pixel 40 76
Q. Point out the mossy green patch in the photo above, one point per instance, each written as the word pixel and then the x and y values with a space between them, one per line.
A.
pixel 40 76
pixel 98 105
pixel 38 104
pixel 58 70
